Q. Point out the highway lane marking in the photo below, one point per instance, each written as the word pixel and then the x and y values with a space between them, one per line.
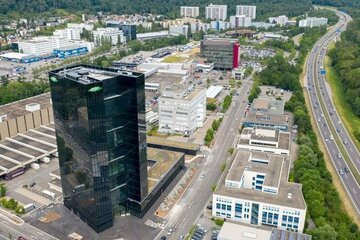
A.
pixel 354 190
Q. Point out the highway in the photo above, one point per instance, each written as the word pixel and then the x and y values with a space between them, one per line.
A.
pixel 186 213
pixel 337 141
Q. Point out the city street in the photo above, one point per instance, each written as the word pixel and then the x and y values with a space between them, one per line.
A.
pixel 185 214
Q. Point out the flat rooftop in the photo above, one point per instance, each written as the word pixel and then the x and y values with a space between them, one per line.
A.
pixel 282 138
pixel 17 109
pixel 232 231
pixel 272 170
pixel 270 106
pixel 219 41
pixel 26 148
pixel 164 161
pixel 87 74
pixel 172 143
pixel 264 118
pixel 241 162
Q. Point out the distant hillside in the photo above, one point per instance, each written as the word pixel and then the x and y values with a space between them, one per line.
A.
pixel 338 3
pixel 165 7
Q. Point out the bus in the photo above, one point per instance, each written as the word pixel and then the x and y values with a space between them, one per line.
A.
pixel 14 174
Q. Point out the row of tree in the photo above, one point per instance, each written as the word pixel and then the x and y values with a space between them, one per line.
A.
pixel 265 8
pixel 210 133
pixel 346 62
pixel 323 201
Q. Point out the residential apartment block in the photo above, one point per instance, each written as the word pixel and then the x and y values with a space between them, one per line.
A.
pixel 182 109
pixel 280 20
pixel 256 191
pixel 176 30
pixel 219 25
pixel 240 21
pixel 313 22
pixel 68 33
pixel 216 12
pixel 248 11
pixel 186 11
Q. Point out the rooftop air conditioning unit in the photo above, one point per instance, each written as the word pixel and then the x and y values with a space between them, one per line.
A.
pixel 3 118
pixel 32 107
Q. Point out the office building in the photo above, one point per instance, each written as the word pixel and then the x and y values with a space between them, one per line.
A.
pixel 265 139
pixel 176 30
pixel 223 52
pixel 40 46
pixel 101 136
pixel 232 231
pixel 256 191
pixel 129 30
pixel 270 106
pixel 240 21
pixel 280 20
pixel 109 34
pixel 259 119
pixel 313 22
pixel 68 33
pixel 81 26
pixel 248 11
pixel 219 25
pixel 216 12
pixel 186 11
pixel 182 109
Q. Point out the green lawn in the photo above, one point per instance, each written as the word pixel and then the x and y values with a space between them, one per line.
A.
pixel 173 59
pixel 349 119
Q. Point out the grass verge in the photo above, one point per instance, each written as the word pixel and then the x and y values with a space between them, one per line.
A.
pixel 173 59
pixel 347 205
pixel 348 118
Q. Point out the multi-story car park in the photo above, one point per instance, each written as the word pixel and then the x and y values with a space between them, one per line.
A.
pixel 186 11
pixel 256 191
pixel 265 139
pixel 182 109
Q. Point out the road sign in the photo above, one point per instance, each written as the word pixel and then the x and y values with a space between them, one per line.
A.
pixel 322 72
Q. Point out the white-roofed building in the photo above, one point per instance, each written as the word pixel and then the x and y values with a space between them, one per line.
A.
pixel 232 231
pixel 213 91
pixel 114 35
pixel 216 12
pixel 240 21
pixel 313 22
pixel 249 11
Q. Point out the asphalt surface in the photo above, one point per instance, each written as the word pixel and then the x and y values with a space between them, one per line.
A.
pixel 334 135
pixel 186 213
pixel 11 230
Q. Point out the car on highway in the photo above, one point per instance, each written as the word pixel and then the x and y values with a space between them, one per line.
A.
pixel 331 137
pixel 21 238
pixel 202 175
pixel 341 171
pixel 339 155
pixel 345 142
pixel 338 130
pixel 170 231
pixel 346 169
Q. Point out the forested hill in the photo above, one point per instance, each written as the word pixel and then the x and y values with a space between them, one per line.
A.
pixel 338 3
pixel 265 8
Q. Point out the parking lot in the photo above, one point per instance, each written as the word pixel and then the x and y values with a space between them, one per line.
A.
pixel 33 192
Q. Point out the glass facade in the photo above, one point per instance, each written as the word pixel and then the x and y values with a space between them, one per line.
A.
pixel 101 137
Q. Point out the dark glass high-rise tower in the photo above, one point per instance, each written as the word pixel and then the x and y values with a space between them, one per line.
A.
pixel 101 135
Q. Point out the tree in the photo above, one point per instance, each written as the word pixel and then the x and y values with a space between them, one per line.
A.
pixel 325 232
pixel 2 190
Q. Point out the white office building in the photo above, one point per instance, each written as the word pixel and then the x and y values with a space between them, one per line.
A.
pixel 176 30
pixel 182 110
pixel 280 20
pixel 219 25
pixel 240 21
pixel 216 12
pixel 68 33
pixel 265 139
pixel 39 46
pixel 81 26
pixel 256 191
pixel 313 22
pixel 114 35
pixel 248 11
pixel 186 11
